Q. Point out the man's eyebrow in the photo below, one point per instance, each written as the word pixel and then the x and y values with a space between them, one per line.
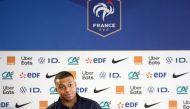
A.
pixel 66 83
pixel 61 85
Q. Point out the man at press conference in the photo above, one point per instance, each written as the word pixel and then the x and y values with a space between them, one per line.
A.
pixel 68 98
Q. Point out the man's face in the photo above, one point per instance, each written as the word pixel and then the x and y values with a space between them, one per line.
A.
pixel 66 87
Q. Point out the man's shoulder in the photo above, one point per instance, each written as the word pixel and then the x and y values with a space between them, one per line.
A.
pixel 89 103
pixel 88 100
pixel 52 106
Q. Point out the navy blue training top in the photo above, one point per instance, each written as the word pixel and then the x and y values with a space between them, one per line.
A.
pixel 82 103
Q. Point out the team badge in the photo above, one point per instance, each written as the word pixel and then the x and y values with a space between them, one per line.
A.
pixel 104 16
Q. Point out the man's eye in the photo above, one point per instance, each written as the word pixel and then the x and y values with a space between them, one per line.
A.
pixel 61 86
pixel 69 85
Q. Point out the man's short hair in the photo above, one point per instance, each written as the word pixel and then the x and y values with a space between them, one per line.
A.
pixel 62 74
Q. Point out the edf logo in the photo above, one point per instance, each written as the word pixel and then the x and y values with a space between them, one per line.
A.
pixel 4 104
pixel 33 75
pixel 29 75
pixel 104 16
pixel 160 74
pixel 95 60
pixel 82 89
pixel 131 104
pixel 99 60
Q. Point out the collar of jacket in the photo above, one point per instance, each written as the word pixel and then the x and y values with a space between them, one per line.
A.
pixel 75 105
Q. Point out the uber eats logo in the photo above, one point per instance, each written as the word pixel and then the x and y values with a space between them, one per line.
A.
pixel 8 90
pixel 86 75
pixel 186 104
pixel 154 60
pixel 135 90
pixel 25 60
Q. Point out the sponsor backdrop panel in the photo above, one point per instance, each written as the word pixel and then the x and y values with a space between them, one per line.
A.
pixel 84 24
pixel 115 79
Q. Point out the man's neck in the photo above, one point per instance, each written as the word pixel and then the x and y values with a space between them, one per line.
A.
pixel 70 103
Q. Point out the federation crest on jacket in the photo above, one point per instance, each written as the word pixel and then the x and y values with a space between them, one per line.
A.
pixel 104 16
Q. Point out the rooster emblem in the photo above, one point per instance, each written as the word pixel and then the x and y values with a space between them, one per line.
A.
pixel 104 16
pixel 101 7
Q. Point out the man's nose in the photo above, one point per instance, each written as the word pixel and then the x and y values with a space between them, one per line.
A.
pixel 67 89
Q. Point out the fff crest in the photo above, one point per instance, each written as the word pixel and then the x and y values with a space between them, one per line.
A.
pixel 104 16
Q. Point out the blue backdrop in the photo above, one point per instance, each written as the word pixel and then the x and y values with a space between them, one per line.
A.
pixel 62 25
